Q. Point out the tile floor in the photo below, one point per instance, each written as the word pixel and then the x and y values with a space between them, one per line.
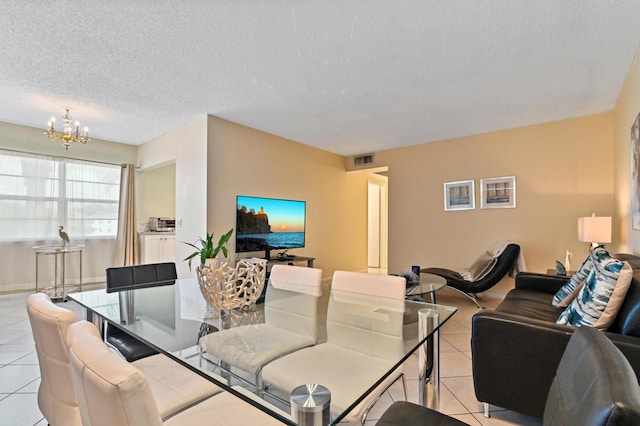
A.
pixel 19 372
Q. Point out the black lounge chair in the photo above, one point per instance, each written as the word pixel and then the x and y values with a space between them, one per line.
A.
pixel 506 262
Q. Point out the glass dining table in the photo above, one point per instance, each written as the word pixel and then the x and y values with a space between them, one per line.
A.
pixel 172 318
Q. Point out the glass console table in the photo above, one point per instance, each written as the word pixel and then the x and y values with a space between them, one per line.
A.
pixel 172 318
pixel 58 252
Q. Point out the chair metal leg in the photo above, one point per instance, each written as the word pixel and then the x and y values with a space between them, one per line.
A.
pixel 404 387
pixel 473 297
pixel 486 409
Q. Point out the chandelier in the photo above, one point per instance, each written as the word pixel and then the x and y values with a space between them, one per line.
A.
pixel 67 135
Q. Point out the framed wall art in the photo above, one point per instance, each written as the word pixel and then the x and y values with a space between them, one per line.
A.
pixel 459 195
pixel 635 173
pixel 498 193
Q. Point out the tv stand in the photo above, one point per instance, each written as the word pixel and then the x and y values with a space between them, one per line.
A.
pixel 290 260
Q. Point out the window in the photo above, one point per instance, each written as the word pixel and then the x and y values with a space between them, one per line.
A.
pixel 39 193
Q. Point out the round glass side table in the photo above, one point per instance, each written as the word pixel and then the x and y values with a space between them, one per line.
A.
pixel 429 284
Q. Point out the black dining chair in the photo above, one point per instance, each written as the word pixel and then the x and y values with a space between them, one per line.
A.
pixel 133 277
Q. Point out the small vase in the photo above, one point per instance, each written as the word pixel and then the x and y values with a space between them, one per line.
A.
pixel 567 261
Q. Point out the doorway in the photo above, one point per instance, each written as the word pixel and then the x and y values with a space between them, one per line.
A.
pixel 377 223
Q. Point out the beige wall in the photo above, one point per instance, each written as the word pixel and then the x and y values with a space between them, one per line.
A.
pixel 563 171
pixel 186 147
pixel 625 112
pixel 156 195
pixel 30 139
pixel 244 161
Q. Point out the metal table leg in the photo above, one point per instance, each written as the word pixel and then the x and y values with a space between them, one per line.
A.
pixel 55 276
pixel 64 293
pixel 429 359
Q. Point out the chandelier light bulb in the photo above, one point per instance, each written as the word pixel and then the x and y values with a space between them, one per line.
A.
pixel 67 135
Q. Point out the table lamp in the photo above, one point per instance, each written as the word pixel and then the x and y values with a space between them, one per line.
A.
pixel 594 229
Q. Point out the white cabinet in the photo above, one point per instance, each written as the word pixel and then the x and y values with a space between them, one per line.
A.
pixel 157 247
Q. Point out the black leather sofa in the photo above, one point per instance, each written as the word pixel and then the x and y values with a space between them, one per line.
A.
pixel 594 385
pixel 517 347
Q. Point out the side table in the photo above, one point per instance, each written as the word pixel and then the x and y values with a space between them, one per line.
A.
pixel 58 251
pixel 429 284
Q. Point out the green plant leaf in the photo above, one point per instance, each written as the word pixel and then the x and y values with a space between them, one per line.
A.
pixel 207 249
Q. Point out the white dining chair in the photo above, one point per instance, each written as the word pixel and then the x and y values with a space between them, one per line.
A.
pixel 290 323
pixel 112 391
pixel 364 342
pixel 173 386
pixel 56 395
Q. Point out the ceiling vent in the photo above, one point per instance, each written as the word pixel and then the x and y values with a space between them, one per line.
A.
pixel 363 160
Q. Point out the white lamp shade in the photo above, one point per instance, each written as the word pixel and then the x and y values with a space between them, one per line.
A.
pixel 594 229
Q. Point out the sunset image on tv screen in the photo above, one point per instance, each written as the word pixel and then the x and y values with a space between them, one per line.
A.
pixel 269 223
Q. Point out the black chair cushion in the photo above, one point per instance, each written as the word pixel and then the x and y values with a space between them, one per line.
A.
pixel 402 413
pixel 140 276
pixel 133 277
pixel 594 384
pixel 530 303
pixel 130 348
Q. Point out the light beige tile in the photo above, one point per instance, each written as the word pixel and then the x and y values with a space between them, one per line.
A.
pixel 454 326
pixel 454 364
pixel 507 418
pixel 467 418
pixel 14 354
pixel 449 404
pixel 20 409
pixel 15 377
pixel 446 346
pixel 31 359
pixel 461 341
pixel 462 388
pixel 31 387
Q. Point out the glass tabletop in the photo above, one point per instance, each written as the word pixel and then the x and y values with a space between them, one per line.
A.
pixel 429 283
pixel 173 318
pixel 68 248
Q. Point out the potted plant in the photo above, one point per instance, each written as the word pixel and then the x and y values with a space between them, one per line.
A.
pixel 207 250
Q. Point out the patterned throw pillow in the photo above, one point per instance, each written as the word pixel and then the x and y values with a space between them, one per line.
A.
pixel 568 292
pixel 602 294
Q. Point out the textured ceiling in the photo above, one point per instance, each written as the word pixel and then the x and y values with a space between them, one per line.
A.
pixel 347 76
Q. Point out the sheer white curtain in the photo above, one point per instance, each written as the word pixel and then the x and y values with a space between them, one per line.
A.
pixel 126 252
pixel 40 193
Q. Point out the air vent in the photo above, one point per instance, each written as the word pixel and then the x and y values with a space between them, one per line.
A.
pixel 363 160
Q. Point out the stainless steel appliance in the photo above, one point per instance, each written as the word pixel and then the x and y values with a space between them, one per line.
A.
pixel 162 224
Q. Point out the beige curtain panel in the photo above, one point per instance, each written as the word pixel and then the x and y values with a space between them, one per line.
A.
pixel 126 252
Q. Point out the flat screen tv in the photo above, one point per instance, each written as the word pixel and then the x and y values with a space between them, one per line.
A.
pixel 265 224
